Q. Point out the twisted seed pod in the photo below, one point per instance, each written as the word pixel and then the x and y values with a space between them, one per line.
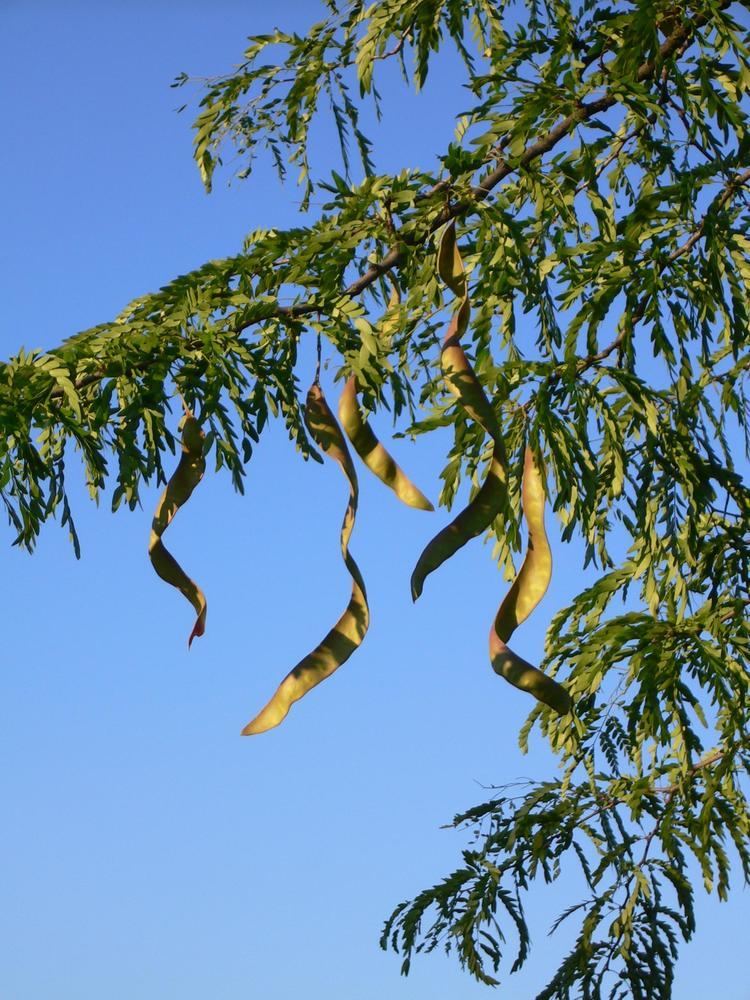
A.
pixel 464 384
pixel 468 523
pixel 348 632
pixel 371 451
pixel 183 481
pixel 533 579
pixel 526 592
pixel 449 263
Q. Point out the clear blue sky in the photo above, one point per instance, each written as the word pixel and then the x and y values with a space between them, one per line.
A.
pixel 147 851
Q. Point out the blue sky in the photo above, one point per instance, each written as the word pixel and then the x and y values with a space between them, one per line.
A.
pixel 146 849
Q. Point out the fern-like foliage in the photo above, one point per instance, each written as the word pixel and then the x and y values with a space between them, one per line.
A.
pixel 598 182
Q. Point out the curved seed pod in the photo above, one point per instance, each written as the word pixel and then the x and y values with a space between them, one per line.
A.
pixel 523 675
pixel 183 481
pixel 449 264
pixel 462 380
pixel 464 384
pixel 348 632
pixel 371 451
pixel 475 518
pixel 526 592
pixel 530 586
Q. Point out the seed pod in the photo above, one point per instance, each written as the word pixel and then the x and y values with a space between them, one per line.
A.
pixel 449 264
pixel 526 677
pixel 470 522
pixel 533 579
pixel 348 632
pixel 373 454
pixel 183 481
pixel 462 380
pixel 526 592
pixel 464 384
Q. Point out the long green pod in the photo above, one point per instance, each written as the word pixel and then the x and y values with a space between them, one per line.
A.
pixel 371 451
pixel 349 631
pixel 524 595
pixel 461 379
pixel 183 481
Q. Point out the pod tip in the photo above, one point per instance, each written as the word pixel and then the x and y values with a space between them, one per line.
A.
pixel 198 629
pixel 257 725
pixel 268 718
pixel 414 497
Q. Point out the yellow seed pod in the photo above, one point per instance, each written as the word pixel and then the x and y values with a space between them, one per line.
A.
pixel 373 454
pixel 183 481
pixel 535 574
pixel 462 381
pixel 475 518
pixel 534 577
pixel 349 631
pixel 525 594
pixel 526 677
pixel 449 263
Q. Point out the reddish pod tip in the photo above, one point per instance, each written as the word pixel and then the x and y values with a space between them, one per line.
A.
pixel 198 630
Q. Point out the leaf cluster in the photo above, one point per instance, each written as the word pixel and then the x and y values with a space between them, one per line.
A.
pixel 598 182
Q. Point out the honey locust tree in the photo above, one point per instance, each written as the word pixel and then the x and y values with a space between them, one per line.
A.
pixel 594 209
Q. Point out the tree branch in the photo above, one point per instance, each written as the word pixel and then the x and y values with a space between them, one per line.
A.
pixel 637 315
pixel 397 253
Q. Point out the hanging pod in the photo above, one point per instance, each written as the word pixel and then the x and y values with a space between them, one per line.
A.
pixel 461 379
pixel 533 579
pixel 348 632
pixel 183 481
pixel 365 442
pixel 371 451
pixel 526 592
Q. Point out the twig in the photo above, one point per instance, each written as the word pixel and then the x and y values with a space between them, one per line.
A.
pixel 397 253
pixel 583 113
pixel 735 182
pixel 398 47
